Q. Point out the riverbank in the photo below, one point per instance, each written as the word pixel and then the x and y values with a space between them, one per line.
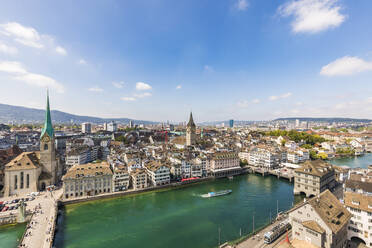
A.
pixel 134 192
pixel 178 216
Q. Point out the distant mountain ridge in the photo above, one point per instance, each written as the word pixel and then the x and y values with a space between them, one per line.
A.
pixel 328 119
pixel 23 115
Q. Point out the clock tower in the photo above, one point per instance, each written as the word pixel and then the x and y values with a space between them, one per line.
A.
pixel 47 147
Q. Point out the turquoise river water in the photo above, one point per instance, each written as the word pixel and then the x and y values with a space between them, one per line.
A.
pixel 176 217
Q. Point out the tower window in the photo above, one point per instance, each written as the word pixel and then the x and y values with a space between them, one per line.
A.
pixel 45 146
pixel 27 181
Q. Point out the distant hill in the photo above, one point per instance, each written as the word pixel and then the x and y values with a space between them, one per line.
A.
pixel 21 115
pixel 330 120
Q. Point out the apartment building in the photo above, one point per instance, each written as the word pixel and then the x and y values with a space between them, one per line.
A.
pixel 139 178
pixel 321 221
pixel 314 177
pixel 264 158
pixel 222 164
pixel 120 178
pixel 87 180
pixel 358 200
pixel 158 173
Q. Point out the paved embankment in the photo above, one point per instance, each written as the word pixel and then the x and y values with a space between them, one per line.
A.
pixel 40 230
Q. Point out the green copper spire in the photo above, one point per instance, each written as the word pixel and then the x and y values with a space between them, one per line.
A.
pixel 48 128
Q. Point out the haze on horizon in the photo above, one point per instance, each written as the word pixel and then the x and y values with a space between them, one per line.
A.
pixel 159 59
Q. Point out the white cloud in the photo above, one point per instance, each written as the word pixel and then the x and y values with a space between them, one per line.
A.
pixel 143 86
pixel 8 49
pixel 25 35
pixel 346 66
pixel 246 103
pixel 256 101
pixel 242 5
pixel 61 50
pixel 285 95
pixel 128 99
pixel 179 87
pixel 18 72
pixel 95 89
pixel 82 62
pixel 12 67
pixel 146 94
pixel 40 81
pixel 312 16
pixel 118 85
pixel 208 68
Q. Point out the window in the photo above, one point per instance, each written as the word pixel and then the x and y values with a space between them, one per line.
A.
pixel 15 181
pixel 27 181
pixel 45 146
pixel 21 186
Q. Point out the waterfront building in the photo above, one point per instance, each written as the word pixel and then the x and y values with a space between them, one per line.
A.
pixel 190 132
pixel 321 221
pixel 264 157
pixel 175 170
pixel 87 180
pixel 222 164
pixel 292 157
pixel 139 178
pixel 314 177
pixel 86 127
pixel 120 178
pixel 33 171
pixel 157 173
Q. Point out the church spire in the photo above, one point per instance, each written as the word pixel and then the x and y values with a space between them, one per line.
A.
pixel 191 121
pixel 48 127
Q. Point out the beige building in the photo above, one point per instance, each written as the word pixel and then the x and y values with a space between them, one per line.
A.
pixel 120 178
pixel 223 164
pixel 314 177
pixel 321 221
pixel 87 180
pixel 190 132
pixel 34 171
pixel 139 178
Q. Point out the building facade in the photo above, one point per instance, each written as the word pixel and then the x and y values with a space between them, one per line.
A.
pixel 314 177
pixel 321 221
pixel 87 180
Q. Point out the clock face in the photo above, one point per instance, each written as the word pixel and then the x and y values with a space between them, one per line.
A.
pixel 46 138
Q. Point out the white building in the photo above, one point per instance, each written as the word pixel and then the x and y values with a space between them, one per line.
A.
pixel 86 127
pixel 112 127
pixel 158 174
pixel 265 158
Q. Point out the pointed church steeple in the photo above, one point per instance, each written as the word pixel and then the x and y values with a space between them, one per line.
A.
pixel 191 121
pixel 48 127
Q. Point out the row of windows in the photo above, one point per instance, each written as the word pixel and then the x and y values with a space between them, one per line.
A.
pixel 21 186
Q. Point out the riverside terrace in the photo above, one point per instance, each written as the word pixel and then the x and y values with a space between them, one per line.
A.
pixel 41 215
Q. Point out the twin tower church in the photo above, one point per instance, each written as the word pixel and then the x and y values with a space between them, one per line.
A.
pixel 34 171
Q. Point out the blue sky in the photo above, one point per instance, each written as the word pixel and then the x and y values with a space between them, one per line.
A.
pixel 158 59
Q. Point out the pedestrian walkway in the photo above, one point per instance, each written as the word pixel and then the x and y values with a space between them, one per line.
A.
pixel 40 230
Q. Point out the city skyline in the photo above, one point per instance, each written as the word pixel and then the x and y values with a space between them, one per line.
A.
pixel 158 60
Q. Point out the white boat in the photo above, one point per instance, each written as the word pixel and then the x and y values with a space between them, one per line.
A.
pixel 218 193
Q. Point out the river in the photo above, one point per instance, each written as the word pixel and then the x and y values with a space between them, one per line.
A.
pixel 174 217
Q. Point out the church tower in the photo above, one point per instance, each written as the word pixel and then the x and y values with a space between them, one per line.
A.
pixel 190 132
pixel 47 147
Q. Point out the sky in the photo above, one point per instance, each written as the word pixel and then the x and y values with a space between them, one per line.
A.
pixel 159 59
